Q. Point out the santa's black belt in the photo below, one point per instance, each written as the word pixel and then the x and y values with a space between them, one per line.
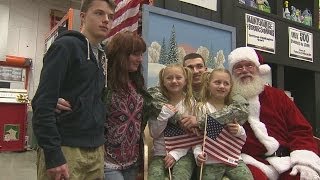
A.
pixel 280 152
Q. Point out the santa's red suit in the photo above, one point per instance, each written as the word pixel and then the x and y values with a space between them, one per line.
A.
pixel 274 121
pixel 279 139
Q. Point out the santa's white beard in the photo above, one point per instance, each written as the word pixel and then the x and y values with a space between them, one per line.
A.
pixel 248 89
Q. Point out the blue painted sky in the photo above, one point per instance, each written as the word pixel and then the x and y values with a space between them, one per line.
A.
pixel 187 32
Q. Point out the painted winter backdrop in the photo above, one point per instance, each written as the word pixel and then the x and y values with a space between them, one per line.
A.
pixel 169 51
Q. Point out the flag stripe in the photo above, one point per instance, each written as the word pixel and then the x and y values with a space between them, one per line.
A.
pixel 217 155
pixel 131 28
pixel 128 24
pixel 217 151
pixel 175 138
pixel 187 140
pixel 224 159
pixel 124 6
pixel 231 137
pixel 227 147
pixel 178 138
pixel 224 148
pixel 229 140
pixel 126 17
pixel 170 147
pixel 129 13
pixel 222 151
pixel 117 1
pixel 188 143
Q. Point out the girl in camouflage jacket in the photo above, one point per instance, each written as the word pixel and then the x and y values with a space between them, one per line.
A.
pixel 215 102
pixel 174 96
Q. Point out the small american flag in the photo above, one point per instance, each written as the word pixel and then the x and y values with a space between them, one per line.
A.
pixel 175 137
pixel 222 145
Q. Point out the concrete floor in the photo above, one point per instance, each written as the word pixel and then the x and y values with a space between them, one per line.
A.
pixel 18 165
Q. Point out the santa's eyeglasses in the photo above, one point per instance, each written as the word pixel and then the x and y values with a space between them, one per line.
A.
pixel 240 67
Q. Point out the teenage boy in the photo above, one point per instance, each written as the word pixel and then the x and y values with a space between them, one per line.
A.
pixel 71 143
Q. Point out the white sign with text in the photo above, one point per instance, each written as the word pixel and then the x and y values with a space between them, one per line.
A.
pixel 260 33
pixel 300 44
pixel 209 4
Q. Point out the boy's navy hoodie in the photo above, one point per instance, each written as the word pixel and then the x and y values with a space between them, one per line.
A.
pixel 70 71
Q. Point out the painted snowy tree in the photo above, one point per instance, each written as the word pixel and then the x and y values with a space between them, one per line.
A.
pixel 163 53
pixel 204 52
pixel 219 60
pixel 173 48
pixel 154 52
pixel 210 62
pixel 181 54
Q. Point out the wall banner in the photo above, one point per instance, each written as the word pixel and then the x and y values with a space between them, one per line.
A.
pixel 300 44
pixel 260 33
pixel 209 4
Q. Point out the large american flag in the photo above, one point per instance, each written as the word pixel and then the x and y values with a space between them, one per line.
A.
pixel 126 16
pixel 222 145
pixel 175 137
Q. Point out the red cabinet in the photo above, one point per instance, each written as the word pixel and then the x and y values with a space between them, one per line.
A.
pixel 13 119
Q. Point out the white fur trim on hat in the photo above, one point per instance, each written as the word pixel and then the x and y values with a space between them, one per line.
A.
pixel 259 128
pixel 268 170
pixel 247 54
pixel 264 69
pixel 241 54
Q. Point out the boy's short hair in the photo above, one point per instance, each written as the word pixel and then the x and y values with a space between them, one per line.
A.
pixel 86 4
pixel 193 56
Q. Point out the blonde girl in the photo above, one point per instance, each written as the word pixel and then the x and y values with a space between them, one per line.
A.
pixel 215 100
pixel 176 86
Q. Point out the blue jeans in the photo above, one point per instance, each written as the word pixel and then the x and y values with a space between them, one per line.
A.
pixel 126 174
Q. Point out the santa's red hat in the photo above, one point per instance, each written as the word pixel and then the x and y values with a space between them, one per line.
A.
pixel 248 54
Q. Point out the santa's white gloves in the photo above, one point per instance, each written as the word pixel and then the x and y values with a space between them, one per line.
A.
pixel 307 158
pixel 165 114
pixel 306 173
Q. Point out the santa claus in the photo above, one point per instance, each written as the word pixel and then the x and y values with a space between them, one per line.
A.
pixel 279 143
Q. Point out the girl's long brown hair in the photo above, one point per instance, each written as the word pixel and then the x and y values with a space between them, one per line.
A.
pixel 118 51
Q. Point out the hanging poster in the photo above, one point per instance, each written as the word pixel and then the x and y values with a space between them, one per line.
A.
pixel 300 44
pixel 260 33
pixel 209 4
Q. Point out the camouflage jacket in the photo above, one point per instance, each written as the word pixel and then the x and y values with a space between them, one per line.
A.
pixel 196 95
pixel 238 110
pixel 160 100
